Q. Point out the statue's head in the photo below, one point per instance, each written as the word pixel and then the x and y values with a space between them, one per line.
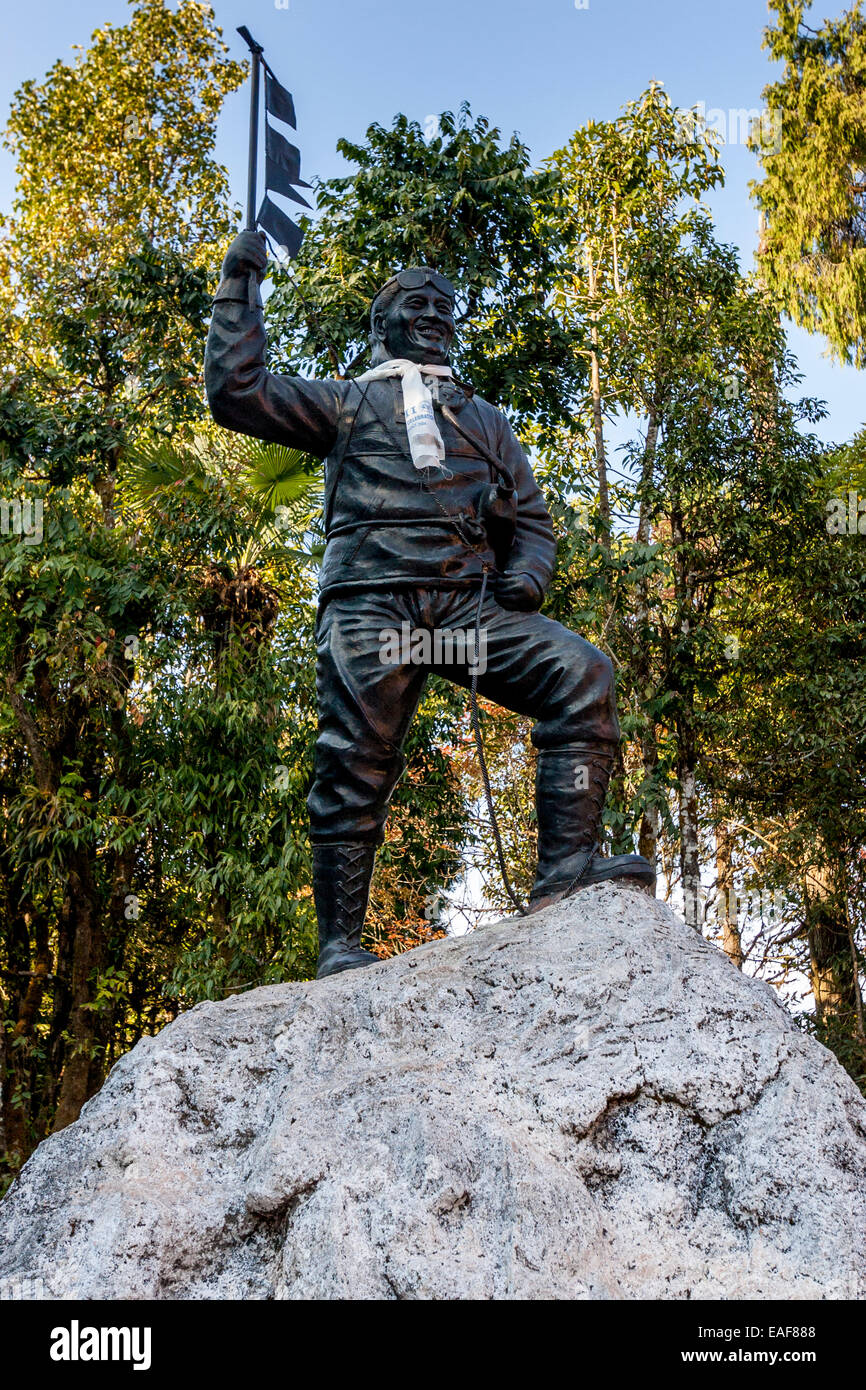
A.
pixel 413 316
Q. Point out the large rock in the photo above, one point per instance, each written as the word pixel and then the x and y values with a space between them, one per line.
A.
pixel 589 1103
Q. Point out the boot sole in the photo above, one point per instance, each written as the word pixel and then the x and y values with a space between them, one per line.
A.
pixel 339 969
pixel 642 885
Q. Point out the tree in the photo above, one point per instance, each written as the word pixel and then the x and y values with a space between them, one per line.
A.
pixel 158 720
pixel 631 190
pixel 812 194
pixel 625 187
pixel 120 204
pixel 790 758
pixel 805 622
pixel 463 202
pixel 694 351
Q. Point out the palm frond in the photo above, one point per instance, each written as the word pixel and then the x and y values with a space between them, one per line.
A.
pixel 151 466
pixel 279 476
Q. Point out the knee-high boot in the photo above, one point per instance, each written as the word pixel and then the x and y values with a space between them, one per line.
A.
pixel 570 788
pixel 341 888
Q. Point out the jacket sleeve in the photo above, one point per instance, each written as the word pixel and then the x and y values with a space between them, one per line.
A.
pixel 534 549
pixel 244 396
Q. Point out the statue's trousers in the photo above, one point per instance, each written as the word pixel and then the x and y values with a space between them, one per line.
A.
pixel 373 661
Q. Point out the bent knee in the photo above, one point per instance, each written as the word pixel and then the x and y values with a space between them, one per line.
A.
pixel 601 669
pixel 588 668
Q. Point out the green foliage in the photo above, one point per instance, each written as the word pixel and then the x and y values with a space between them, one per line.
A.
pixel 119 216
pixel 126 646
pixel 813 190
pixel 629 193
pixel 733 618
pixel 158 715
pixel 157 643
pixel 464 202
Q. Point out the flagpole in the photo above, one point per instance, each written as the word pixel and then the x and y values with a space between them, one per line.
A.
pixel 256 51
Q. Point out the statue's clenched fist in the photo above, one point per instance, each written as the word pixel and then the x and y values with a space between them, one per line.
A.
pixel 248 252
pixel 521 592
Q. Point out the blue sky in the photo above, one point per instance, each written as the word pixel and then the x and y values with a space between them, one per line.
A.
pixel 542 68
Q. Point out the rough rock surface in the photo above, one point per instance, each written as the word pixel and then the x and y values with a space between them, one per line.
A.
pixel 589 1103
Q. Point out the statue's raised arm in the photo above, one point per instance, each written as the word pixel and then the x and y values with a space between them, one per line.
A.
pixel 243 395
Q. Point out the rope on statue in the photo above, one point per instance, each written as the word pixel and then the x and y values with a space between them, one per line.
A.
pixel 482 761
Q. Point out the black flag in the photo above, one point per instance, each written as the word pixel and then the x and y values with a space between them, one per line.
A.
pixel 278 101
pixel 282 159
pixel 280 228
pixel 287 156
pixel 278 181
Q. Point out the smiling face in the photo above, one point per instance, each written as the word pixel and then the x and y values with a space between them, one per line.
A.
pixel 418 324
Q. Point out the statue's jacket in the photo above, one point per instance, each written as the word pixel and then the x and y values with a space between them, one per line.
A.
pixel 388 528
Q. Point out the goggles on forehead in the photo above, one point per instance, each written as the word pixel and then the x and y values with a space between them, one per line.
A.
pixel 414 279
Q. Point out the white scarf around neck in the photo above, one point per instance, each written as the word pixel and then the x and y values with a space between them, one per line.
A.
pixel 425 441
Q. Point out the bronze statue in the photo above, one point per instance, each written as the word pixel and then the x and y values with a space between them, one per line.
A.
pixel 431 510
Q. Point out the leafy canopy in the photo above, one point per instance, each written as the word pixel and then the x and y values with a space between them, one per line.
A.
pixel 465 202
pixel 813 190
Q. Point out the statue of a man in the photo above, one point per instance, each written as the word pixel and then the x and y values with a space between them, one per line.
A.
pixel 430 506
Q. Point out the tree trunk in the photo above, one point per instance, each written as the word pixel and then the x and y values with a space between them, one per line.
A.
pixel 726 895
pixel 30 958
pixel 81 1063
pixel 621 841
pixel 648 834
pixel 595 389
pixel 833 963
pixel 649 454
pixel 690 859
